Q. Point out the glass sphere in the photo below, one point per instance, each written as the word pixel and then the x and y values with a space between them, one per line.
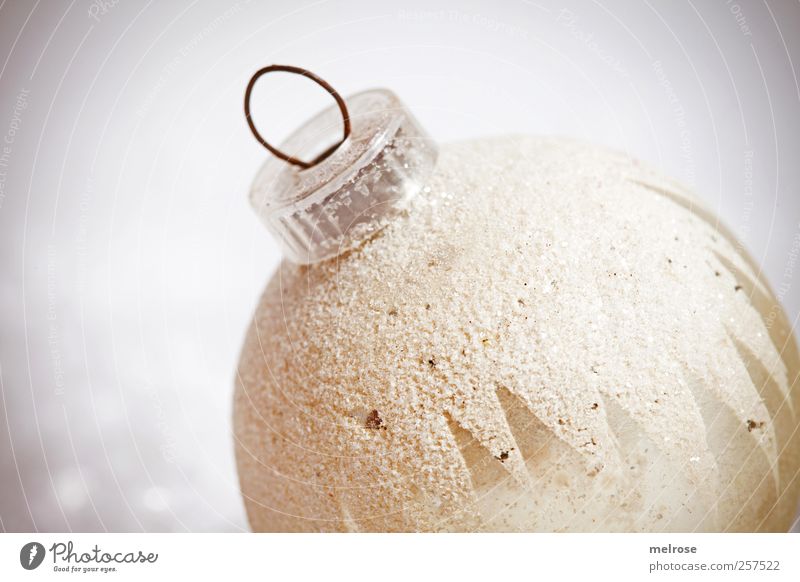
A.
pixel 554 337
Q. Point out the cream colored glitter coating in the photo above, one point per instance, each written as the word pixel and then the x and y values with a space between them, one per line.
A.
pixel 556 338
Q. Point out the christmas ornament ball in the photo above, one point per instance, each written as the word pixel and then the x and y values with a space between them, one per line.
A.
pixel 552 337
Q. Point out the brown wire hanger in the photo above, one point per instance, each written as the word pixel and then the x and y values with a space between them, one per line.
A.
pixel 322 83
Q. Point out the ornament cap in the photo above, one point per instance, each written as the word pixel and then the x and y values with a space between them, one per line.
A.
pixel 344 198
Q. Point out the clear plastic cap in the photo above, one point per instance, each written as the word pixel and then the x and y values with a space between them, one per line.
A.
pixel 333 206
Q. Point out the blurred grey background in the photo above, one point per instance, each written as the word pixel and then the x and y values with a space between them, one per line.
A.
pixel 130 261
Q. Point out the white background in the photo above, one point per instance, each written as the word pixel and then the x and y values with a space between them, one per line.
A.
pixel 130 261
pixel 617 557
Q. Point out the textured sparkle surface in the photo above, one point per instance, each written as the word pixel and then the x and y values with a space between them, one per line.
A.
pixel 554 338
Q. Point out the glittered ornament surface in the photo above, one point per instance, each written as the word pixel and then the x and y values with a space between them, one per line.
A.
pixel 552 338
